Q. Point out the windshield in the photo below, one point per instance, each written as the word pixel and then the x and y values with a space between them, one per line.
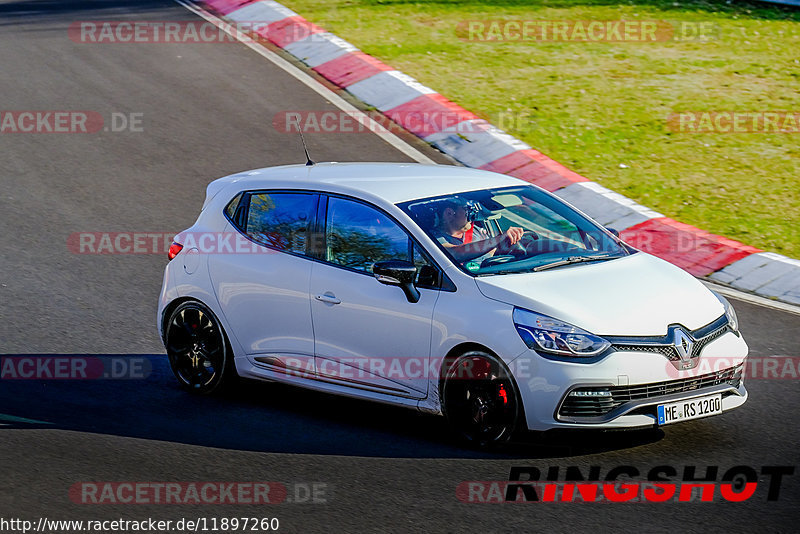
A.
pixel 511 230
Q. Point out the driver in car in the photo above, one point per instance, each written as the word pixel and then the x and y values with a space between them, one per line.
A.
pixel 457 232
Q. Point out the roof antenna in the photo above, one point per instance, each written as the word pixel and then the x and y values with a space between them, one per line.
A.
pixel 305 148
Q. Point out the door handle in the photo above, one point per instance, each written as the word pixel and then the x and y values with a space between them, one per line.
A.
pixel 328 298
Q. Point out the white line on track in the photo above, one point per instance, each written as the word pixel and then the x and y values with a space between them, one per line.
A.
pixel 309 81
pixel 752 299
pixel 401 145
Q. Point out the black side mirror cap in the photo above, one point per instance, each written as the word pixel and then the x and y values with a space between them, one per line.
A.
pixel 399 273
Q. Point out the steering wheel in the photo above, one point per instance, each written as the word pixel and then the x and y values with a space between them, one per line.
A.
pixel 520 248
pixel 517 251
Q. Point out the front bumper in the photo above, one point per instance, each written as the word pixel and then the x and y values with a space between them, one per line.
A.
pixel 632 383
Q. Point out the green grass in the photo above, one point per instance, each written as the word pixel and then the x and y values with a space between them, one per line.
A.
pixel 601 108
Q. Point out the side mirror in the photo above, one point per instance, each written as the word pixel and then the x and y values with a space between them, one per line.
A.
pixel 613 231
pixel 398 273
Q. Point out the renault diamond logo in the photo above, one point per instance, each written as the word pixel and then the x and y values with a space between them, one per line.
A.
pixel 683 344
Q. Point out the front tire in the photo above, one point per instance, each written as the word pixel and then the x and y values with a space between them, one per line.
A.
pixel 480 400
pixel 198 351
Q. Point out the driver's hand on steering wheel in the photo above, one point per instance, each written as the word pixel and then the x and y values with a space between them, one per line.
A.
pixel 513 235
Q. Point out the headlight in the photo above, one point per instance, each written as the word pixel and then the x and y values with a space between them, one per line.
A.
pixel 730 313
pixel 545 334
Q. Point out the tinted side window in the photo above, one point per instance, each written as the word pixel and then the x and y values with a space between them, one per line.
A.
pixel 280 220
pixel 230 209
pixel 358 236
pixel 427 274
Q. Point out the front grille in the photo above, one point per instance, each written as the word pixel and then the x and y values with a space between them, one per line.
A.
pixel 596 406
pixel 700 343
pixel 663 347
pixel 665 350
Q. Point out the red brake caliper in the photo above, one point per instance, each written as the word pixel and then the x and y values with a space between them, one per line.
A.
pixel 502 394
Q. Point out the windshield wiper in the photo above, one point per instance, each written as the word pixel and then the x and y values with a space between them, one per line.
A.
pixel 575 259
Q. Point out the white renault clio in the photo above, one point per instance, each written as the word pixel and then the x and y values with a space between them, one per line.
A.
pixel 454 291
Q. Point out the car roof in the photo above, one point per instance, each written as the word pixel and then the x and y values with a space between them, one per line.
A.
pixel 393 182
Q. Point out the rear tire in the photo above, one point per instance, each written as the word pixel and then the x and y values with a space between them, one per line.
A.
pixel 198 350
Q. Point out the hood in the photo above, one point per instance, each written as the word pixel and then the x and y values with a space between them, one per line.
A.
pixel 638 295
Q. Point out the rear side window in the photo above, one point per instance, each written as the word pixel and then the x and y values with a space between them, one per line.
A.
pixel 280 220
pixel 230 209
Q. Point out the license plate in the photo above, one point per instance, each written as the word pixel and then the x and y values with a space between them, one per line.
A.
pixel 684 410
